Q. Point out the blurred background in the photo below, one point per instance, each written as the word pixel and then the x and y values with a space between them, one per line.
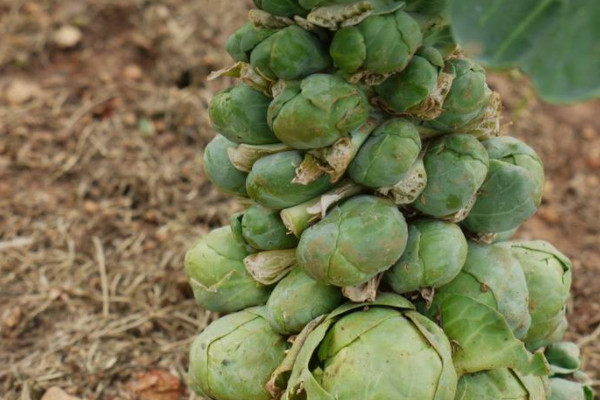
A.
pixel 102 125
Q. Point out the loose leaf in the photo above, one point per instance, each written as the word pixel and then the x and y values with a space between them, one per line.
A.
pixel 483 340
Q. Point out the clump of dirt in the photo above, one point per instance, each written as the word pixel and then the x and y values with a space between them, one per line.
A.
pixel 102 191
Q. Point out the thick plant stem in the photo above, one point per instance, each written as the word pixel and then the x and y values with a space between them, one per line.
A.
pixel 299 217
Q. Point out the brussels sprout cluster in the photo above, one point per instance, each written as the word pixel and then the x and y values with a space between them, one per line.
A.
pixel 374 259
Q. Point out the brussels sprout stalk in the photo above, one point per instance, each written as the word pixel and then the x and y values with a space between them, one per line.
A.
pixel 244 156
pixel 335 159
pixel 299 217
pixel 269 267
pixel 410 187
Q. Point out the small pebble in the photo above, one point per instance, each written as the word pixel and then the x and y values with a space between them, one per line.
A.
pixel 67 37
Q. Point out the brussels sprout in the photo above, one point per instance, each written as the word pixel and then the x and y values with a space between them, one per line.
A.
pixel 468 96
pixel 240 114
pixel 456 167
pixel 381 44
pixel 483 309
pixel 380 350
pixel 220 170
pixel 420 89
pixel 335 250
pixel 263 229
pixel 244 40
pixel 562 389
pixel 513 189
pixel 435 254
pixel 334 160
pixel 492 276
pixel 387 154
pixel 548 274
pixel 234 357
pixel 411 185
pixel 317 111
pixel 563 357
pixel 292 53
pixel 298 299
pixel 215 269
pixel 270 182
pixel 282 8
pixel 501 384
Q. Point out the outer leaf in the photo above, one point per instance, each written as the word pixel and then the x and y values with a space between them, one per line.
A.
pixel 524 33
pixel 233 357
pixel 563 389
pixel 491 346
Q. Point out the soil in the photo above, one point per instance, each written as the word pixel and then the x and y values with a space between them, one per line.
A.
pixel 102 125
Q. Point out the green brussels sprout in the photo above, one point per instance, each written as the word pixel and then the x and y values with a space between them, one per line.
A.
pixel 317 111
pixel 291 53
pixel 381 44
pixel 419 89
pixel 240 114
pixel 563 357
pixel 379 350
pixel 483 309
pixel 244 40
pixel 220 170
pixel 234 357
pixel 262 229
pixel 282 8
pixel 435 254
pixel 492 276
pixel 298 299
pixel 548 274
pixel 562 389
pixel 387 154
pixel 336 251
pixel 501 384
pixel 513 189
pixel 270 183
pixel 468 96
pixel 215 269
pixel 456 167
